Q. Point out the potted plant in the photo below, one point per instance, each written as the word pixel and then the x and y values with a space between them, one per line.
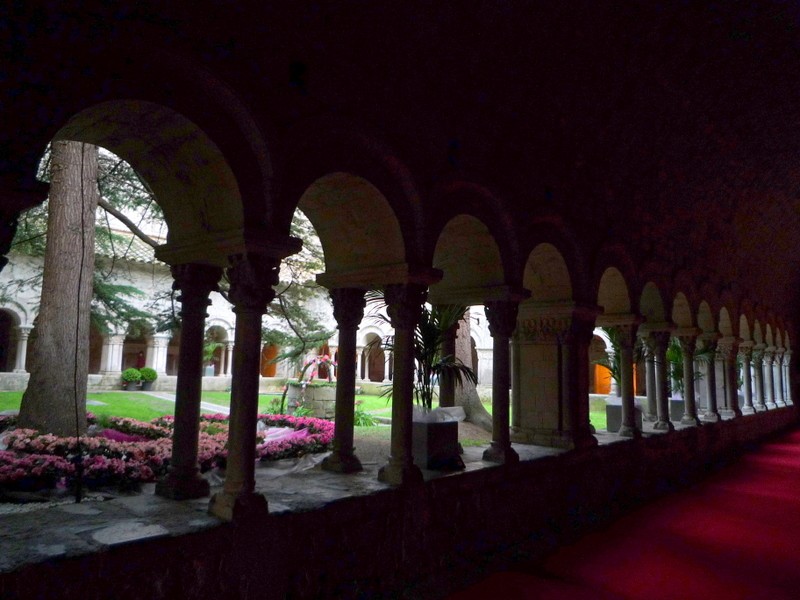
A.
pixel 131 378
pixel 148 377
pixel 435 443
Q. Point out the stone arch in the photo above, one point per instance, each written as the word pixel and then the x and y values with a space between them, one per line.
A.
pixel 546 275
pixel 613 293
pixel 216 334
pixel 744 329
pixel 373 357
pixel 342 206
pixel 554 234
pixel 453 198
pixel 682 311
pixel 758 332
pixel 469 258
pixel 705 318
pixel 725 323
pixel 651 304
pixel 769 339
pixel 9 323
pixel 192 181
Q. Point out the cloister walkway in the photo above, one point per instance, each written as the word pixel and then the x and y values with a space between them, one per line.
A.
pixel 735 535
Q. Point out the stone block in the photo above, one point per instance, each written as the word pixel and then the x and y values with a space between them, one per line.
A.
pixel 614 416
pixel 676 409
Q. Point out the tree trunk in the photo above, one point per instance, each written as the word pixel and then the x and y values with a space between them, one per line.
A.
pixel 55 400
pixel 466 393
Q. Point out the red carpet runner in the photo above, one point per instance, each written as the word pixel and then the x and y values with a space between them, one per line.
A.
pixel 734 536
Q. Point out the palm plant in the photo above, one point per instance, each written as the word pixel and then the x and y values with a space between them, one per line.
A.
pixel 430 365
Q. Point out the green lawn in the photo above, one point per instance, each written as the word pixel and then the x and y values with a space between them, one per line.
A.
pixel 135 405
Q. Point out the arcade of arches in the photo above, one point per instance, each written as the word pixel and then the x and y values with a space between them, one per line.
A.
pixel 621 197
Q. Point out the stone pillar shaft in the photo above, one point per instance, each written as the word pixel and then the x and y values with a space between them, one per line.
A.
pixel 252 278
pixel 777 367
pixel 769 393
pixel 183 481
pixel 728 349
pixel 712 413
pixel 746 352
pixel 660 343
pixel 758 378
pixel 787 379
pixel 627 337
pixel 502 317
pixel 650 372
pixel 111 357
pixel 22 348
pixel 348 310
pixel 404 304
pixel 690 416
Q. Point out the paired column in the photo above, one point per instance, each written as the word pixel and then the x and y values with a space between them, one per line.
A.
pixel 157 347
pixel 251 280
pixel 710 346
pixel 758 378
pixel 348 310
pixel 403 304
pixel 688 341
pixel 746 352
pixel 23 332
pixel 769 384
pixel 787 379
pixel 777 367
pixel 651 409
pixel 502 317
pixel 183 480
pixel 111 355
pixel 728 351
pixel 627 339
pixel 660 343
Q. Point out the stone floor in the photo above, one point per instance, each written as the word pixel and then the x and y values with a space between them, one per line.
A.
pixel 67 529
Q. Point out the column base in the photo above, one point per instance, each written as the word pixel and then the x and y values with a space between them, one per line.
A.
pixel 691 420
pixel 748 410
pixel 342 463
pixel 497 454
pixel 780 403
pixel 186 487
pixel 629 432
pixel 760 407
pixel 771 405
pixel 662 425
pixel 231 507
pixel 650 417
pixel 789 403
pixel 397 473
pixel 727 414
pixel 711 417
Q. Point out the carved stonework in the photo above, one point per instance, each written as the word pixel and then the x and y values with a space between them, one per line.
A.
pixel 688 343
pixel 661 340
pixel 758 357
pixel 252 278
pixel 404 304
pixel 545 328
pixel 727 348
pixel 502 317
pixel 195 282
pixel 348 307
pixel 746 351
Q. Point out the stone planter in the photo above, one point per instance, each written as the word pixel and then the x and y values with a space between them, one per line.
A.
pixel 130 386
pixel 435 446
pixel 147 386
pixel 321 400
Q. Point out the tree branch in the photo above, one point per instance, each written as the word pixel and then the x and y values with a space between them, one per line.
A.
pixel 128 223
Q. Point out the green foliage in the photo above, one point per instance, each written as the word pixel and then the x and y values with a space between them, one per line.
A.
pixel 362 418
pixel 131 375
pixel 148 374
pixel 111 305
pixel 429 336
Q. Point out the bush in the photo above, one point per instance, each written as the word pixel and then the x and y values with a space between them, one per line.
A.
pixel 129 375
pixel 148 374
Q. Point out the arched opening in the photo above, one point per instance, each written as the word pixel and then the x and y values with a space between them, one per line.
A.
pixel 8 340
pixel 373 359
pixel 214 351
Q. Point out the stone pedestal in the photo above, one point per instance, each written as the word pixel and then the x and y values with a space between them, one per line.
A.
pixel 435 446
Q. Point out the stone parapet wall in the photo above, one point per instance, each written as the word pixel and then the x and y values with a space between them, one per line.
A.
pixel 421 541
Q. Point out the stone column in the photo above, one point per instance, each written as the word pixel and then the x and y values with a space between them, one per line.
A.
pixel 613 386
pixel 688 341
pixel 787 379
pixel 228 358
pixel 746 352
pixel 447 385
pixel 195 283
pixel 769 387
pixel 516 396
pixel 502 317
pixel 758 377
pixel 660 343
pixel 651 409
pixel 575 378
pixel 23 332
pixel 386 358
pixel 251 278
pixel 729 350
pixel 627 338
pixel 348 310
pixel 359 361
pixel 111 356
pixel 157 346
pixel 777 367
pixel 403 304
pixel 710 344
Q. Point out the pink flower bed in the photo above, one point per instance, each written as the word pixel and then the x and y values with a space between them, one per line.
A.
pixel 133 452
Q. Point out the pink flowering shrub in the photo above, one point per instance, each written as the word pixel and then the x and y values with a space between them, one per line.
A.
pixel 135 452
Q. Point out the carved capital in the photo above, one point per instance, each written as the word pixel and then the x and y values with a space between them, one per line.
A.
pixel 727 348
pixel 502 317
pixel 348 306
pixel 661 340
pixel 688 343
pixel 195 282
pixel 746 351
pixel 758 355
pixel 252 278
pixel 404 304
pixel 544 328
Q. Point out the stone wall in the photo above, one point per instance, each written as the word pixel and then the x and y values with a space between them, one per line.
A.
pixel 422 541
